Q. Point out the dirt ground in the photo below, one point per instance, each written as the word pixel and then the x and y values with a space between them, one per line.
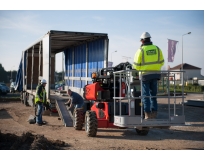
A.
pixel 17 134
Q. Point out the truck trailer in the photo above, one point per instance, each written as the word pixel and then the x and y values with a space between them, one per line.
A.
pixel 84 53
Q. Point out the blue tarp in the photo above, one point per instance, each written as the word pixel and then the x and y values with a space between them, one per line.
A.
pixel 19 81
pixel 77 62
pixel 19 75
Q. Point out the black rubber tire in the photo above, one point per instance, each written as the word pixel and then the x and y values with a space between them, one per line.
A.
pixel 91 123
pixel 142 132
pixel 78 119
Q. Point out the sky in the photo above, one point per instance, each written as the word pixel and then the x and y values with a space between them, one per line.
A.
pixel 21 27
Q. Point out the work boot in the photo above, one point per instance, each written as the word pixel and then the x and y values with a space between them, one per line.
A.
pixel 154 114
pixel 148 115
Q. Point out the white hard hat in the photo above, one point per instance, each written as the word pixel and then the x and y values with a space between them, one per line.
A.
pixel 145 35
pixel 43 81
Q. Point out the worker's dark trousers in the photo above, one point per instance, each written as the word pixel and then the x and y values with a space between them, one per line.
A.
pixel 80 105
pixel 149 88
pixel 39 113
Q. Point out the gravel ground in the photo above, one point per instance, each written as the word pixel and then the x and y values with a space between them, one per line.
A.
pixel 17 134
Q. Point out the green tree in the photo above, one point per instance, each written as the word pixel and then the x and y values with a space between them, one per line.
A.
pixel 3 74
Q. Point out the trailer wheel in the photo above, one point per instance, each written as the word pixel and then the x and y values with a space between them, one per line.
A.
pixel 91 123
pixel 78 119
pixel 143 132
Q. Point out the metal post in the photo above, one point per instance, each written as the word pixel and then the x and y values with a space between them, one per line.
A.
pixel 114 94
pixel 32 70
pixel 39 69
pixel 141 98
pixel 182 78
pixel 168 90
pixel 120 92
pixel 73 66
pixel 86 64
pixel 62 66
pixel 174 97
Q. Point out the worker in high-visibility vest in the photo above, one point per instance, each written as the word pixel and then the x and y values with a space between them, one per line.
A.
pixel 40 100
pixel 149 58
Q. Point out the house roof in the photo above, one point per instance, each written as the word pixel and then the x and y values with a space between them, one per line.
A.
pixel 185 66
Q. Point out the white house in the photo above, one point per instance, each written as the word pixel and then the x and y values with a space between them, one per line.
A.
pixel 190 72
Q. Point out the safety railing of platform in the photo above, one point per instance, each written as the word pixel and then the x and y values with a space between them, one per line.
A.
pixel 127 77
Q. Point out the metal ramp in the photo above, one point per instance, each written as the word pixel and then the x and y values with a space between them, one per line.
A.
pixel 62 111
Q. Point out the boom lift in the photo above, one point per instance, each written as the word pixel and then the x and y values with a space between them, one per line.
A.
pixel 114 100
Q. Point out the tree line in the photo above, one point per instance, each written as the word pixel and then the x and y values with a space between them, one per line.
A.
pixel 6 76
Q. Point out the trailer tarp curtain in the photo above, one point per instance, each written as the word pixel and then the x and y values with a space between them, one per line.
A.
pixel 75 61
pixel 19 75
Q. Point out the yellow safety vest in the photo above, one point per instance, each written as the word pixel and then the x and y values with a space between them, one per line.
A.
pixel 42 94
pixel 148 57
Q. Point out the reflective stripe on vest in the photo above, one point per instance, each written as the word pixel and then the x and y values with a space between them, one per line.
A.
pixel 143 63
pixel 42 94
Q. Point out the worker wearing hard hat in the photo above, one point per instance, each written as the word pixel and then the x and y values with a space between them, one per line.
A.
pixel 149 58
pixel 40 100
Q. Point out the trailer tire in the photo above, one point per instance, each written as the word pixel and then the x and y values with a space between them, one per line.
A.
pixel 91 123
pixel 78 119
pixel 143 132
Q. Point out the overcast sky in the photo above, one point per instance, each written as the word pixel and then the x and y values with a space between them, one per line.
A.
pixel 20 28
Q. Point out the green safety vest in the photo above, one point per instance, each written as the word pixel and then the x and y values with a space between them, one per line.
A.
pixel 148 57
pixel 42 94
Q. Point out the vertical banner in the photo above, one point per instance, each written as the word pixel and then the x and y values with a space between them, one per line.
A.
pixel 171 49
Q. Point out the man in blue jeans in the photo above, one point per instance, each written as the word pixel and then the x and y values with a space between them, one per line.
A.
pixel 149 60
pixel 40 100
pixel 75 100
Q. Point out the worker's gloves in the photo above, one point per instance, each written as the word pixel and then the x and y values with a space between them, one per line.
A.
pixel 66 103
pixel 69 108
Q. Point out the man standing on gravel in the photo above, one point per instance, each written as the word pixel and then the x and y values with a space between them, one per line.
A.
pixel 40 100
pixel 75 100
pixel 149 58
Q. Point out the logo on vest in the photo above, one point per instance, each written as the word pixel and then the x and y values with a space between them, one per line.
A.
pixel 151 52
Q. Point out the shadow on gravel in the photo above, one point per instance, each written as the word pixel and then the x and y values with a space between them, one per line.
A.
pixel 29 141
pixel 155 135
pixel 4 114
pixel 192 113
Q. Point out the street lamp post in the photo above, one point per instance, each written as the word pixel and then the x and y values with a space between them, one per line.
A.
pixel 182 77
pixel 111 55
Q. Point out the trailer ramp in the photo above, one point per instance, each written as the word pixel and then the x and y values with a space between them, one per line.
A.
pixel 62 111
